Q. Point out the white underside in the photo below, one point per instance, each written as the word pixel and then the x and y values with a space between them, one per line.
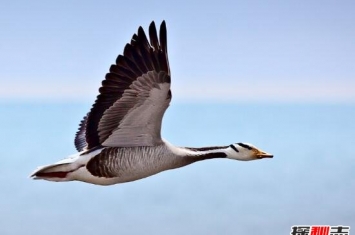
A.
pixel 76 166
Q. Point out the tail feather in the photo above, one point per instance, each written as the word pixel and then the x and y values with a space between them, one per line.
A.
pixel 57 171
pixel 68 169
pixel 43 175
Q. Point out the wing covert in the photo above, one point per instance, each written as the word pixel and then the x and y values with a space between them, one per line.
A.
pixel 135 119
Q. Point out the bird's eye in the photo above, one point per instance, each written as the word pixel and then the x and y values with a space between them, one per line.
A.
pixel 245 146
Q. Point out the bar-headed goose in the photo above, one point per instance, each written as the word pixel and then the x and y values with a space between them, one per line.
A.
pixel 119 139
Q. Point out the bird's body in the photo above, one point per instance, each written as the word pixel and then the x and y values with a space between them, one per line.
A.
pixel 112 165
pixel 119 139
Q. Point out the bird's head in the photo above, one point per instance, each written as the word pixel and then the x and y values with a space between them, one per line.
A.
pixel 246 152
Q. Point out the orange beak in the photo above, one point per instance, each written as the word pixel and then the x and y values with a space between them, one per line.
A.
pixel 261 155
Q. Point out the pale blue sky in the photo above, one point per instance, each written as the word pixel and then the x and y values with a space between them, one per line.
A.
pixel 298 51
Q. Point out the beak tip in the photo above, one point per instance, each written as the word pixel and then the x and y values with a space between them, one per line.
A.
pixel 266 156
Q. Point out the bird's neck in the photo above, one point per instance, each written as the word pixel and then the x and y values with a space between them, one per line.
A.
pixel 205 153
pixel 198 154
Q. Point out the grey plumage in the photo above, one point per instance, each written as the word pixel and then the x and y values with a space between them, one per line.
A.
pixel 141 61
pixel 135 119
pixel 131 163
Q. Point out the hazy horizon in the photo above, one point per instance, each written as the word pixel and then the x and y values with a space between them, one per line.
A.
pixel 223 51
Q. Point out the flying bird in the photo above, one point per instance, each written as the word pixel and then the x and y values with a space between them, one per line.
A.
pixel 119 140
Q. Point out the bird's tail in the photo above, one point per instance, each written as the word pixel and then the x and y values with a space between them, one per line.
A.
pixel 56 172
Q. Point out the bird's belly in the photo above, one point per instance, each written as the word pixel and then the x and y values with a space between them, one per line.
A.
pixel 85 176
pixel 136 172
pixel 119 165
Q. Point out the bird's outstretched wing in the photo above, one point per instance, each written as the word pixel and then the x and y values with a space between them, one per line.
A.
pixel 133 97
